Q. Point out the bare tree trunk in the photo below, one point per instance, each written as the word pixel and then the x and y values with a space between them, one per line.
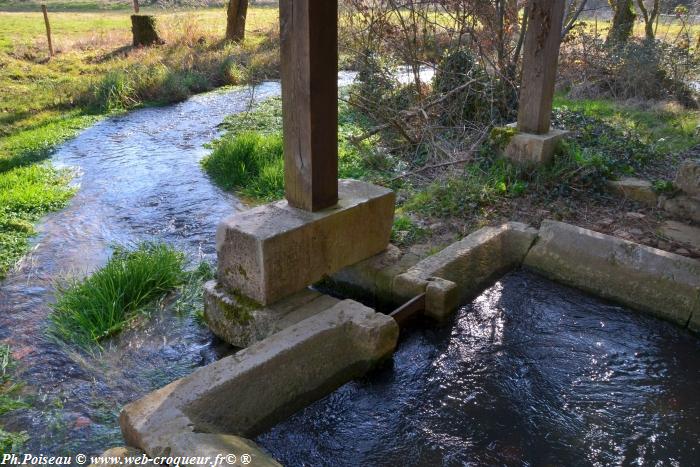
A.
pixel 235 20
pixel 623 21
pixel 650 17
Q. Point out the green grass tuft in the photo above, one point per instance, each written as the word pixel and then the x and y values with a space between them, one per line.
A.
pixel 248 159
pixel 249 163
pixel 89 310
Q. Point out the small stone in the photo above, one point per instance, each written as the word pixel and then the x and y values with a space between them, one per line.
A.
pixel 635 189
pixel 662 245
pixel 82 422
pixel 606 221
pixel 437 226
pixel 622 234
pixel 635 215
pixel 682 251
pixel 635 232
pixel 687 235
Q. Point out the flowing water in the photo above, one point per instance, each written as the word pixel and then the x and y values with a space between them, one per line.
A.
pixel 139 179
pixel 530 373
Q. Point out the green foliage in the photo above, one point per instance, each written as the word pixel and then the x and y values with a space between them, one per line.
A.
pixel 664 186
pixel 9 442
pixel 101 305
pixel 249 158
pixel 26 193
pixel 406 232
pixel 500 136
pixel 481 184
pixel 190 300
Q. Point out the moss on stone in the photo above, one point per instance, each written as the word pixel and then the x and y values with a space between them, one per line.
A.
pixel 500 136
pixel 240 309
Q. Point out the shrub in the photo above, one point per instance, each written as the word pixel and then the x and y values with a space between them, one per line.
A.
pixel 639 68
pixel 101 305
pixel 482 101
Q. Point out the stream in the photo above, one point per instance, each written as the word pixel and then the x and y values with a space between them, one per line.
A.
pixel 139 179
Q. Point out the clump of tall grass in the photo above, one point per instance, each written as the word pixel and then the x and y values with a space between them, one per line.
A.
pixel 249 163
pixel 89 310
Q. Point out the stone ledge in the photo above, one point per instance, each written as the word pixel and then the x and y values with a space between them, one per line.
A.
pixel 246 393
pixel 654 281
pixel 273 251
pixel 241 322
pixel 472 263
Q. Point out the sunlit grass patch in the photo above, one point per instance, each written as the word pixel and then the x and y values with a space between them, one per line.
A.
pixel 26 193
pixel 101 305
pixel 248 159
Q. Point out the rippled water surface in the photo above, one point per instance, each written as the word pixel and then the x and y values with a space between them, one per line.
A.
pixel 139 179
pixel 530 373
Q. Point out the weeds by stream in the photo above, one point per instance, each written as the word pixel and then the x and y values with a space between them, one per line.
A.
pixel 10 400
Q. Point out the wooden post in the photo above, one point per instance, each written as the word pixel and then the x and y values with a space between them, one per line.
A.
pixel 309 47
pixel 48 28
pixel 542 40
pixel 136 7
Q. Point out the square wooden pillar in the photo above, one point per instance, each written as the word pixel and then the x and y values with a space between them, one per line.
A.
pixel 540 56
pixel 309 47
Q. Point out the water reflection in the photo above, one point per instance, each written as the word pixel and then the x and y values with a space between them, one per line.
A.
pixel 530 373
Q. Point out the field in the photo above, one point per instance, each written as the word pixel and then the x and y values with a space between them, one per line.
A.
pixel 95 72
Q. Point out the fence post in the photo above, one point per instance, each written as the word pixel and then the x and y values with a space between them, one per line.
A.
pixel 48 28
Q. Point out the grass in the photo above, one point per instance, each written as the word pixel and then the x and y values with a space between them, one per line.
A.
pixel 89 310
pixel 190 301
pixel 96 72
pixel 665 127
pixel 9 401
pixel 248 159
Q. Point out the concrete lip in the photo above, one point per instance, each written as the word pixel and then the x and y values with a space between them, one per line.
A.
pixel 217 408
pixel 214 410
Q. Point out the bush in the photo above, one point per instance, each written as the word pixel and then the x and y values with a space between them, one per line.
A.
pixel 484 100
pixel 639 68
pixel 89 310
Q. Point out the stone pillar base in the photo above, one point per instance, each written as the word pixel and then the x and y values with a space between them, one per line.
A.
pixel 531 149
pixel 273 251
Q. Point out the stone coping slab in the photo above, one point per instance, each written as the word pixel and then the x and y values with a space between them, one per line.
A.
pixel 644 278
pixel 273 251
pixel 471 263
pixel 218 406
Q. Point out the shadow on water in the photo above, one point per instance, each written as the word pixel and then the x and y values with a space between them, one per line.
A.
pixel 530 373
pixel 139 179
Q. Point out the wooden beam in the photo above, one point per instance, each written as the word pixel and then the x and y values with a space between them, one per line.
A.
pixel 541 53
pixel 309 47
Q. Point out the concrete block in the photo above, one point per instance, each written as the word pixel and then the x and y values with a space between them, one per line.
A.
pixel 688 177
pixel 242 322
pixel 371 280
pixel 687 235
pixel 635 189
pixel 531 149
pixel 471 263
pixel 441 298
pixel 273 251
pixel 246 393
pixel 654 281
